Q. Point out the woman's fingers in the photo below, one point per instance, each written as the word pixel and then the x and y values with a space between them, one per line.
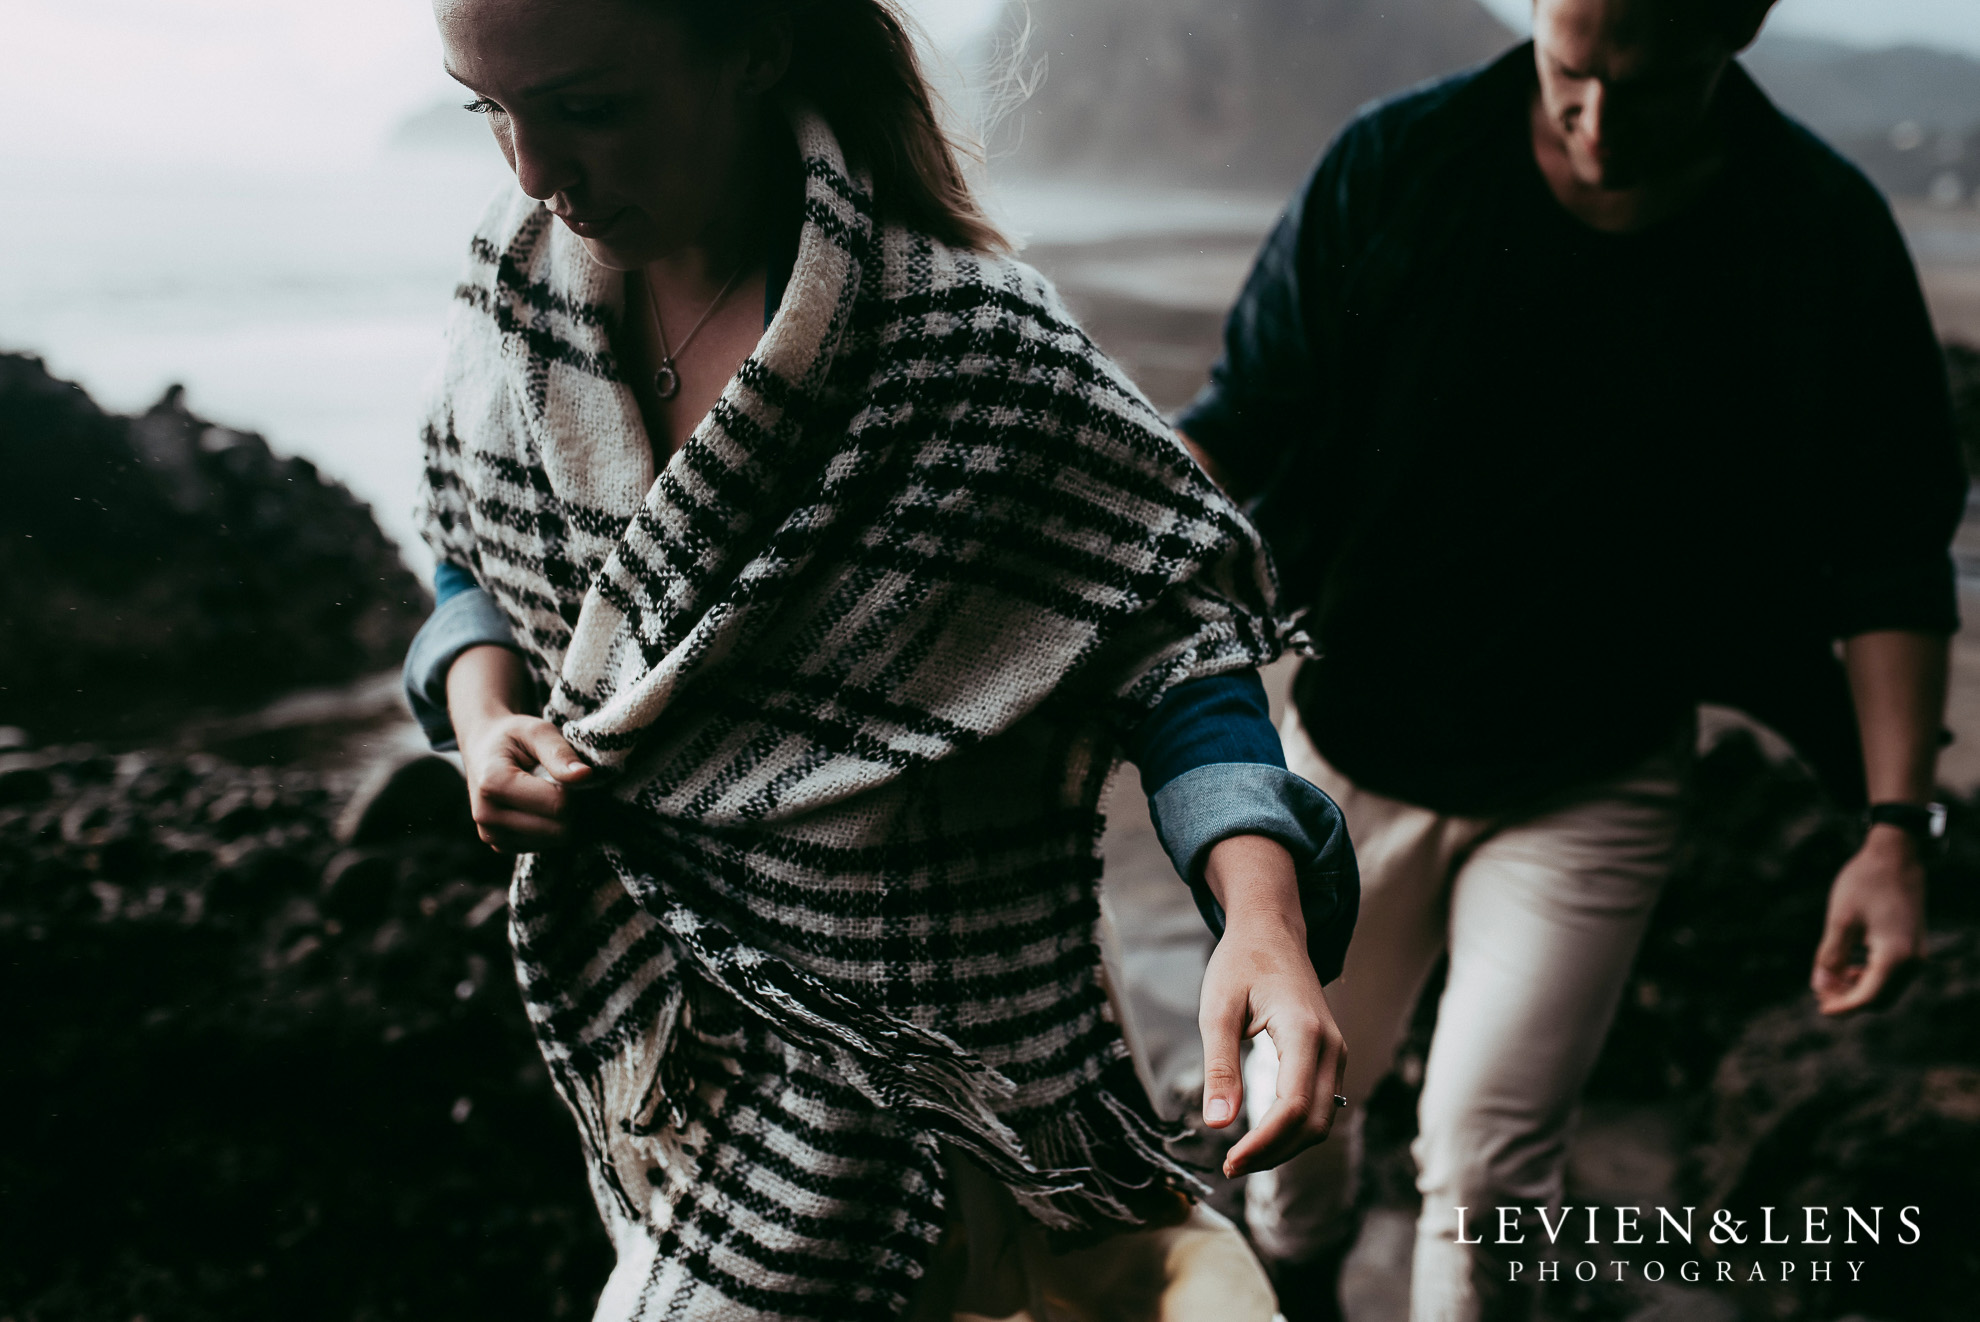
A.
pixel 517 784
pixel 510 783
pixel 1221 1018
pixel 1296 1119
pixel 529 767
pixel 518 832
pixel 547 745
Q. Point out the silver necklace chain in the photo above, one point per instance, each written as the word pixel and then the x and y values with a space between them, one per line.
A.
pixel 666 378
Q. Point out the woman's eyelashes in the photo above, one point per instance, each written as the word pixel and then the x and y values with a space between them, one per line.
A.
pixel 581 110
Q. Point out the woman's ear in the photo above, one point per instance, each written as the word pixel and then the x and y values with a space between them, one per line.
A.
pixel 767 54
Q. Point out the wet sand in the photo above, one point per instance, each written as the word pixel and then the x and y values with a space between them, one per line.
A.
pixel 1945 242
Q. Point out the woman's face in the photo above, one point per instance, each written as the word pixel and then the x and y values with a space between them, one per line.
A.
pixel 635 137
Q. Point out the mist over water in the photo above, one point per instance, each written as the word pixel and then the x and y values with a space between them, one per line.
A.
pixel 311 307
pixel 302 293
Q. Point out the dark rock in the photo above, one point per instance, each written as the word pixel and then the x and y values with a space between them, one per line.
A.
pixel 358 886
pixel 154 566
pixel 214 1073
pixel 1876 1111
pixel 422 796
pixel 1736 929
pixel 24 784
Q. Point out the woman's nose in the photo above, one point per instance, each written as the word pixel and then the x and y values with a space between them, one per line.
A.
pixel 542 169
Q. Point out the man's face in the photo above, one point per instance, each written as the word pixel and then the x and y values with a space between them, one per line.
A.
pixel 1624 83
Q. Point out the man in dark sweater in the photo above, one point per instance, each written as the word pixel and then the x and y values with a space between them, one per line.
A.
pixel 1573 392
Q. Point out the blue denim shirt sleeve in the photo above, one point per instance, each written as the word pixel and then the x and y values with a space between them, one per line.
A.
pixel 1225 718
pixel 1213 768
pixel 449 581
pixel 1211 803
pixel 466 617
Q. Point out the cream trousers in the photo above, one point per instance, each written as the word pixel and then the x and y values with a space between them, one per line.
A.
pixel 1541 918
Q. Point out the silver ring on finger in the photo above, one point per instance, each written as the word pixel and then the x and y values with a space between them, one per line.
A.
pixel 1340 1101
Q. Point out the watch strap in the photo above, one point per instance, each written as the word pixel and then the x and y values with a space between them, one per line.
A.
pixel 1923 822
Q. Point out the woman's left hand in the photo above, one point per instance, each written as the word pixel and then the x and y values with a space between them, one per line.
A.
pixel 1260 979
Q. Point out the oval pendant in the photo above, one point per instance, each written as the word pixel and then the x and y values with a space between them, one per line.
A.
pixel 666 381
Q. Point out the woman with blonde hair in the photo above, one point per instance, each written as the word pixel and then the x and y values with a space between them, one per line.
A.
pixel 804 569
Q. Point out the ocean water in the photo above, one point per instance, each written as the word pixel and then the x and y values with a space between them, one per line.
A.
pixel 309 306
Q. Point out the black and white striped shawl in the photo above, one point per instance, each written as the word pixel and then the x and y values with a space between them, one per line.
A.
pixel 854 664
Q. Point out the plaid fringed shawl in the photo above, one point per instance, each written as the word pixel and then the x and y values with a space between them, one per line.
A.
pixel 854 665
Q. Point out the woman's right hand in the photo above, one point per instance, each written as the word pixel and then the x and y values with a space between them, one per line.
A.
pixel 519 767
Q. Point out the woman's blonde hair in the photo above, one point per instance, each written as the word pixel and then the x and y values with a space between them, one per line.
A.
pixel 855 61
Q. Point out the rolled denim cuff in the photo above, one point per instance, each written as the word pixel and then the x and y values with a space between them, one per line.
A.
pixel 1215 802
pixel 466 619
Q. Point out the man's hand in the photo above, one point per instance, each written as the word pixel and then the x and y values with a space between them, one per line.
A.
pixel 1260 979
pixel 519 768
pixel 1897 680
pixel 1877 914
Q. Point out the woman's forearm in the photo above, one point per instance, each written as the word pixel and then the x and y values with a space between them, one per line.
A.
pixel 485 684
pixel 1253 877
pixel 1898 681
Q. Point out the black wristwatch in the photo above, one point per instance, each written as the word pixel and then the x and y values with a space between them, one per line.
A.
pixel 1925 823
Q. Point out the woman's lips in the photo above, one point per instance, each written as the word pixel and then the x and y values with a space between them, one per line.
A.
pixel 594 227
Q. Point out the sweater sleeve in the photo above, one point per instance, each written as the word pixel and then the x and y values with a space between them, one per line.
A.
pixel 1212 767
pixel 1896 488
pixel 465 616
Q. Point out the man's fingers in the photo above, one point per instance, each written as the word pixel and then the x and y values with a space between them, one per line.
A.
pixel 554 754
pixel 1835 972
pixel 1295 1119
pixel 1838 947
pixel 1886 958
pixel 1222 1021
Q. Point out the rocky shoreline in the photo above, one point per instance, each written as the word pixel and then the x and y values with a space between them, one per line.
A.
pixel 265 1070
pixel 271 1060
pixel 161 565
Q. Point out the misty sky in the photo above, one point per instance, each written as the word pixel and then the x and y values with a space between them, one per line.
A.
pixel 263 84
pixel 1950 23
pixel 307 84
